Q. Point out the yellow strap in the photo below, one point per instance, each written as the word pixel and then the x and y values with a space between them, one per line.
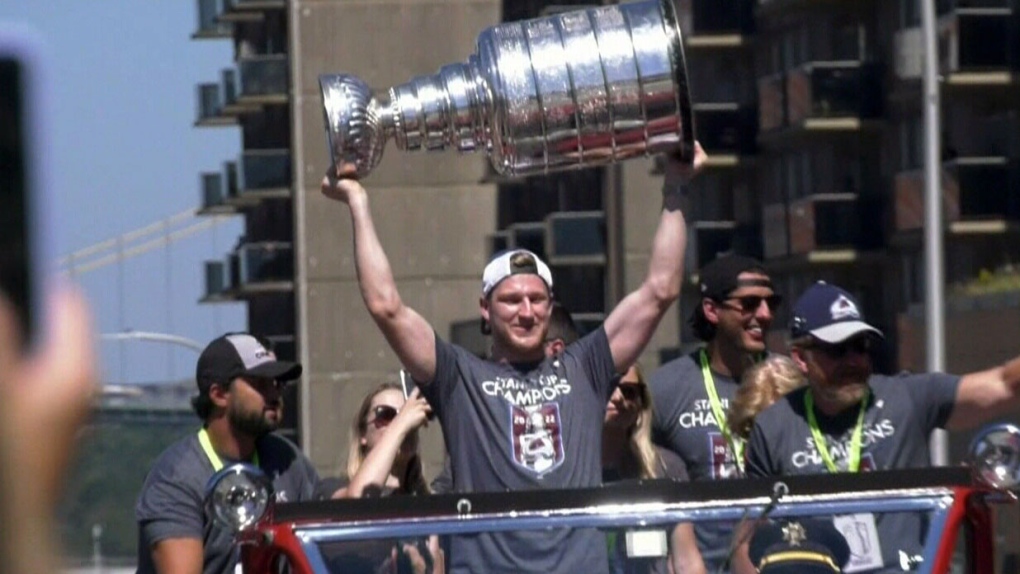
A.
pixel 210 453
pixel 798 555
pixel 735 443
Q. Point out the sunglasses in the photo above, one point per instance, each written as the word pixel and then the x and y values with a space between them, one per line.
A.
pixel 383 416
pixel 630 392
pixel 858 345
pixel 751 303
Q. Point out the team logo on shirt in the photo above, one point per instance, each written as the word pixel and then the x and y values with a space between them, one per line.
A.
pixel 724 465
pixel 537 438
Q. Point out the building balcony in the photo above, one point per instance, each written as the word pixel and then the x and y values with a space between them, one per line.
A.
pixel 284 346
pixel 262 174
pixel 978 330
pixel 262 267
pixel 720 24
pixel 575 238
pixel 216 286
pixel 833 95
pixel 247 10
pixel 727 131
pixel 979 195
pixel 262 80
pixel 822 228
pixel 210 107
pixel 230 104
pixel 214 196
pixel 772 102
pixel 209 24
pixel 979 45
pixel 231 191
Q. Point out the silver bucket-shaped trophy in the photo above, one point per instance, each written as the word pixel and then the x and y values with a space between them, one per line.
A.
pixel 572 90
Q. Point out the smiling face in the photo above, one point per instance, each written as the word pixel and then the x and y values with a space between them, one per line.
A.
pixel 255 405
pixel 743 318
pixel 517 311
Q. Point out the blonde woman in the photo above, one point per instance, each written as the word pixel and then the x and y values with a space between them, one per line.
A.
pixel 762 384
pixel 382 457
pixel 628 453
pixel 383 460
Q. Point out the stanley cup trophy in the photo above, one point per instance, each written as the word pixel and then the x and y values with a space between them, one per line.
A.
pixel 572 90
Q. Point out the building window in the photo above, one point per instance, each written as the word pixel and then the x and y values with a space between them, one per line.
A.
pixel 913 277
pixel 911 144
pixel 910 13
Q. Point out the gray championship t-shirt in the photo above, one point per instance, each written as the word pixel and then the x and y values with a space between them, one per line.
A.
pixel 512 427
pixel 902 412
pixel 171 502
pixel 684 423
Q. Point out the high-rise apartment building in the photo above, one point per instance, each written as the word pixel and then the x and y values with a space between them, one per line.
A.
pixel 810 110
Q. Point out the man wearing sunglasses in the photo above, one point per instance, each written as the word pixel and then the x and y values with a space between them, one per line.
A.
pixel 240 402
pixel 521 420
pixel 848 419
pixel 692 393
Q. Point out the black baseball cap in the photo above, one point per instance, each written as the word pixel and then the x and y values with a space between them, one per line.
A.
pixel 241 354
pixel 720 278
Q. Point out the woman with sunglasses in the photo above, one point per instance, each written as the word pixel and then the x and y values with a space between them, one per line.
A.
pixel 383 460
pixel 627 454
pixel 382 456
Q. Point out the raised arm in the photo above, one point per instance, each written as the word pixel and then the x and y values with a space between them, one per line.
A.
pixel 984 395
pixel 632 323
pixel 407 332
pixel 378 463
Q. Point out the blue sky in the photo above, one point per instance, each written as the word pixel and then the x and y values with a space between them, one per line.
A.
pixel 125 154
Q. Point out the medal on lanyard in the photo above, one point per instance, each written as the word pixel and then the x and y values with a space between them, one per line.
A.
pixel 736 444
pixel 853 463
pixel 214 459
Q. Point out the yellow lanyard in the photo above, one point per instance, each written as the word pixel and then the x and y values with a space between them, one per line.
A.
pixel 736 444
pixel 853 463
pixel 214 459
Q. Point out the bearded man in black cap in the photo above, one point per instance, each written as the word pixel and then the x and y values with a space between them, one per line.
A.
pixel 691 394
pixel 240 403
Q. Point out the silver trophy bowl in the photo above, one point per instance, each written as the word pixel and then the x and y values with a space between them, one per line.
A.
pixel 577 89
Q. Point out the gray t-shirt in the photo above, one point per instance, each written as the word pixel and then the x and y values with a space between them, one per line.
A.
pixel 171 503
pixel 683 420
pixel 684 423
pixel 902 412
pixel 532 426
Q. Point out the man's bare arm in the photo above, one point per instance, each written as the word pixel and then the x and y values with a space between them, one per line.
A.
pixel 984 395
pixel 631 324
pixel 178 556
pixel 408 333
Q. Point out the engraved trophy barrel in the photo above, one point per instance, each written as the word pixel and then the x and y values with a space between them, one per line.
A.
pixel 576 89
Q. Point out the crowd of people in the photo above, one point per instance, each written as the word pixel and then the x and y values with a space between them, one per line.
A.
pixel 549 409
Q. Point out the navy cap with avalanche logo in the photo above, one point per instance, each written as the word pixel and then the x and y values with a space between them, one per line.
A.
pixel 829 314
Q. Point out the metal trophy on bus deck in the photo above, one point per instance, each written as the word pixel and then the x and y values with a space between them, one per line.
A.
pixel 575 89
